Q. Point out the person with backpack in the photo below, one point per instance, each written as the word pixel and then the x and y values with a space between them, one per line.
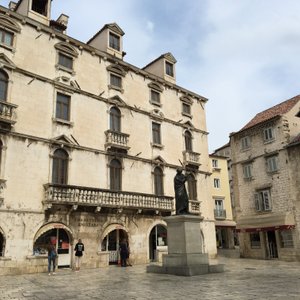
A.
pixel 79 248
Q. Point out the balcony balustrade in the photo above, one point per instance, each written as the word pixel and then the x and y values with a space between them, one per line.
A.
pixel 100 198
pixel 192 158
pixel 220 214
pixel 7 114
pixel 116 140
pixel 194 207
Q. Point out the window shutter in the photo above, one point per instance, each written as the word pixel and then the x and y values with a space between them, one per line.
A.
pixel 267 200
pixel 257 202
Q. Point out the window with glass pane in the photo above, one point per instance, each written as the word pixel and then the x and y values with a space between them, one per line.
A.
pixel 115 119
pixel 169 69
pixel 255 240
pixel 158 182
pixel 115 80
pixel 155 96
pixel 272 164
pixel 65 61
pixel 3 85
pixel 115 169
pixel 215 163
pixel 192 187
pixel 188 141
pixel 245 143
pixel 114 41
pixel 63 106
pixel 263 200
pixel 6 37
pixel 60 167
pixel 217 183
pixel 40 6
pixel 186 108
pixel 156 133
pixel 247 170
pixel 269 134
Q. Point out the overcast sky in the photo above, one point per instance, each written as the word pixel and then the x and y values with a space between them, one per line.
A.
pixel 243 55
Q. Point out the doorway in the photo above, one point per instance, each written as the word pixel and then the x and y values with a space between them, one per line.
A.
pixel 157 239
pixel 271 245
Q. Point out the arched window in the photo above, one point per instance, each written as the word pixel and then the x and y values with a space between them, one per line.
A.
pixel 188 141
pixel 115 119
pixel 192 187
pixel 158 182
pixel 60 167
pixel 3 86
pixel 115 169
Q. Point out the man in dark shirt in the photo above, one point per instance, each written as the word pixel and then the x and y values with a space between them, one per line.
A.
pixel 79 248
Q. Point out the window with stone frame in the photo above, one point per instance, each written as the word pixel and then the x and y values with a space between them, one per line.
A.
pixel 255 240
pixel 155 97
pixel 63 103
pixel 272 163
pixel 60 167
pixel 268 134
pixel 155 93
pixel 115 119
pixel 115 174
pixel 115 80
pixel 186 106
pixel 245 143
pixel 286 238
pixel 188 141
pixel 8 30
pixel 65 61
pixel 116 74
pixel 66 55
pixel 158 182
pixel 192 187
pixel 169 69
pixel 3 85
pixel 263 201
pixel 156 134
pixel 217 183
pixel 247 171
pixel 114 41
pixel 6 37
pixel 186 109
pixel 40 6
pixel 215 163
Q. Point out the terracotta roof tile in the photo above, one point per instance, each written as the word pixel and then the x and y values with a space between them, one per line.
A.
pixel 272 112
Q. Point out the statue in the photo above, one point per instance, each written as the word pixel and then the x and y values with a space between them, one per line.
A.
pixel 181 196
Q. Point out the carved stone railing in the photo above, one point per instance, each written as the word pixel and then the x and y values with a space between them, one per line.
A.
pixel 85 196
pixel 194 207
pixel 116 139
pixel 7 112
pixel 220 214
pixel 190 157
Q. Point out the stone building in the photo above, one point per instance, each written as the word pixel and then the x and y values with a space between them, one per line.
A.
pixel 225 225
pixel 90 145
pixel 266 183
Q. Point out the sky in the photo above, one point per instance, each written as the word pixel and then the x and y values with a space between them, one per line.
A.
pixel 243 55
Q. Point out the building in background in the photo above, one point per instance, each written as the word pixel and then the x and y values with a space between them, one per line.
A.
pixel 265 153
pixel 90 145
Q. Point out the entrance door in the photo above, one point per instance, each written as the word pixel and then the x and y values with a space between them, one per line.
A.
pixel 271 245
pixel 157 238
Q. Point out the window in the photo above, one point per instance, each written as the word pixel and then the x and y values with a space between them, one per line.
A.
pixel 63 106
pixel 263 201
pixel 114 41
pixel 169 69
pixel 3 86
pixel 215 163
pixel 60 167
pixel 186 109
pixel 156 133
pixel 115 80
pixel 255 240
pixel 217 183
pixel 192 187
pixel 154 97
pixel 219 209
pixel 286 239
pixel 247 170
pixel 115 119
pixel 6 37
pixel 272 163
pixel 115 169
pixel 40 6
pixel 245 143
pixel 158 182
pixel 269 134
pixel 65 61
pixel 188 141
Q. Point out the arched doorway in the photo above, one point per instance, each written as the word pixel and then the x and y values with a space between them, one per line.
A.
pixel 157 240
pixel 61 238
pixel 111 243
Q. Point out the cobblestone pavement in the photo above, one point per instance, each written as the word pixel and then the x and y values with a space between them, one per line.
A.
pixel 242 279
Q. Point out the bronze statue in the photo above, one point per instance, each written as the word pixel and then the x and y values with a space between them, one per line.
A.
pixel 181 196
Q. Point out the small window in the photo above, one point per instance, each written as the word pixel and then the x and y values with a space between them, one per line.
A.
pixel 247 170
pixel 156 133
pixel 40 6
pixel 115 169
pixel 154 97
pixel 158 182
pixel 263 201
pixel 286 239
pixel 255 240
pixel 215 163
pixel 63 107
pixel 217 183
pixel 115 80
pixel 114 41
pixel 3 86
pixel 245 143
pixel 65 61
pixel 272 164
pixel 269 134
pixel 186 109
pixel 169 69
pixel 6 37
pixel 188 141
pixel 60 167
pixel 192 187
pixel 115 119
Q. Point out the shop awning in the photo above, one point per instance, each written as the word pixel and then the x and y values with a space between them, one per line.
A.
pixel 281 227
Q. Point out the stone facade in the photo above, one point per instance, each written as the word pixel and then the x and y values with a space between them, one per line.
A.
pixel 90 145
pixel 265 183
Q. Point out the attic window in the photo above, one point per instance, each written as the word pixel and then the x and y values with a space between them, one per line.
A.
pixel 169 69
pixel 40 6
pixel 114 41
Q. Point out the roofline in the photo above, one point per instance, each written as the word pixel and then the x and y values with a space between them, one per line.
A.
pixel 222 147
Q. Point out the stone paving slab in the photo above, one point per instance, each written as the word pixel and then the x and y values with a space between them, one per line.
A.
pixel 243 279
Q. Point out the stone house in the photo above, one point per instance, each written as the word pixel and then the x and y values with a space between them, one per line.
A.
pixel 90 145
pixel 266 183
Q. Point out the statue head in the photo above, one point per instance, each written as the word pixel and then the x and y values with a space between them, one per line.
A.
pixel 179 170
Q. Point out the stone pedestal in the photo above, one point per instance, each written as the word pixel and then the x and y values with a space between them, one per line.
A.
pixel 184 256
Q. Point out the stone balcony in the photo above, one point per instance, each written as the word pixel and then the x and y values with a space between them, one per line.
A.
pixel 102 199
pixel 116 140
pixel 220 214
pixel 194 207
pixel 7 114
pixel 191 158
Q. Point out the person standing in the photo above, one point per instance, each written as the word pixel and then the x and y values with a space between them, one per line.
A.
pixel 52 254
pixel 79 248
pixel 123 252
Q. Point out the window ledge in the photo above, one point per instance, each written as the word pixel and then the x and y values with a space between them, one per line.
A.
pixel 245 149
pixel 187 115
pixel 117 88
pixel 10 48
pixel 155 103
pixel 160 146
pixel 273 172
pixel 63 122
pixel 269 141
pixel 62 68
pixel 249 178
